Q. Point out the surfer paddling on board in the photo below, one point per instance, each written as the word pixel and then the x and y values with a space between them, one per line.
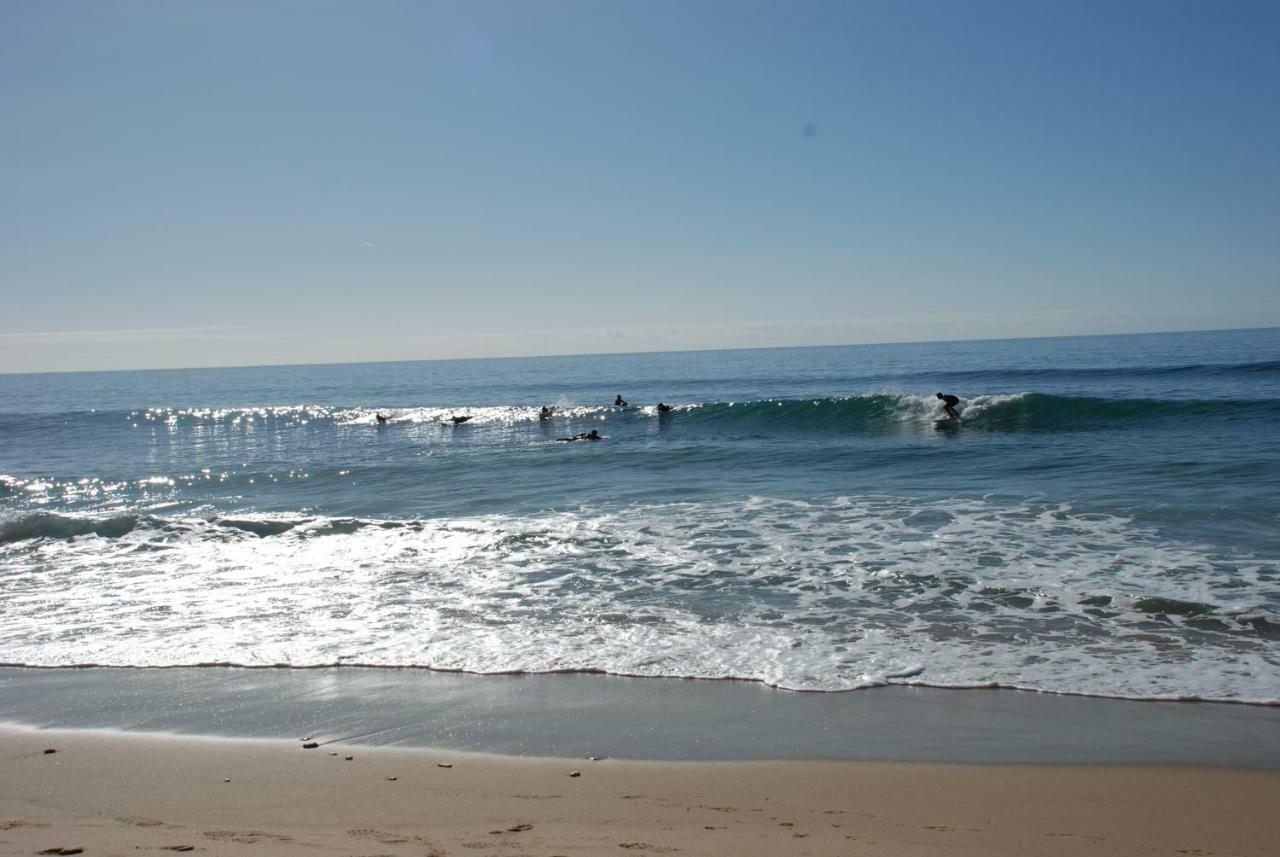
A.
pixel 590 435
pixel 949 403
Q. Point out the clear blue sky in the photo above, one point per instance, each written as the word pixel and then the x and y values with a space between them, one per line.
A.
pixel 228 183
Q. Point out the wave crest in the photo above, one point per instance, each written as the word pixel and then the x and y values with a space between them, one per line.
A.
pixel 47 525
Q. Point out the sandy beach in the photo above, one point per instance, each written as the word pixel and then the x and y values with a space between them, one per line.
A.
pixel 115 793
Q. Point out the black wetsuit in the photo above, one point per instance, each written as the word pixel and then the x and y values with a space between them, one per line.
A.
pixel 950 401
pixel 593 435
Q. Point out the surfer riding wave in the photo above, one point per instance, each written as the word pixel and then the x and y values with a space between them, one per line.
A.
pixel 949 403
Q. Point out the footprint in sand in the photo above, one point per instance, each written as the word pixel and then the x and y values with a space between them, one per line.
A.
pixel 1085 836
pixel 378 836
pixel 140 821
pixel 384 838
pixel 244 837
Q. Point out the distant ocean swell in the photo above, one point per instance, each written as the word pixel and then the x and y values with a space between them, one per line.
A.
pixel 1250 370
pixel 1020 411
pixel 832 594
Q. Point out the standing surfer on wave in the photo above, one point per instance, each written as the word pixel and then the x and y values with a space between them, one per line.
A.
pixel 949 403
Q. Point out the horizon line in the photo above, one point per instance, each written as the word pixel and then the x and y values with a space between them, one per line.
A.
pixel 621 353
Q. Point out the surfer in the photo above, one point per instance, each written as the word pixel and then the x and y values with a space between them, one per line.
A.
pixel 457 421
pixel 619 402
pixel 381 418
pixel 545 413
pixel 664 408
pixel 949 403
pixel 589 435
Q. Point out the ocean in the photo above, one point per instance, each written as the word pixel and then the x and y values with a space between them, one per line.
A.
pixel 1104 520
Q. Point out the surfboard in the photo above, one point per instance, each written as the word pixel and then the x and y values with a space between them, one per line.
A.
pixel 946 423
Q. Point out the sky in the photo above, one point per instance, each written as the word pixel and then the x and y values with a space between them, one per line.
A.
pixel 241 183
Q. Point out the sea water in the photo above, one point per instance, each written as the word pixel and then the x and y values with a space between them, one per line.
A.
pixel 1105 519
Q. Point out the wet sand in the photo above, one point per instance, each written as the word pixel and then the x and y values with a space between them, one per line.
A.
pixel 578 715
pixel 112 793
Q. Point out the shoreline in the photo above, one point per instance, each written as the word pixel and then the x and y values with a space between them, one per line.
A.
pixel 890 680
pixel 118 794
pixel 578 715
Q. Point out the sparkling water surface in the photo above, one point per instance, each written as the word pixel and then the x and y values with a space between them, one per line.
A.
pixel 1104 520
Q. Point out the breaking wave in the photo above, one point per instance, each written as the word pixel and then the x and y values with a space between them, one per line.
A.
pixel 832 594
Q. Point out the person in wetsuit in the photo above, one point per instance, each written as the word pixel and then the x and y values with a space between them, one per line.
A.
pixel 949 403
pixel 590 435
pixel 664 408
pixel 619 402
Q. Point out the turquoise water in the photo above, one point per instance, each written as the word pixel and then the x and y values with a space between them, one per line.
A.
pixel 1104 520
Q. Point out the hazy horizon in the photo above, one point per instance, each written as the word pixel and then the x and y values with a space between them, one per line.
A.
pixel 658 351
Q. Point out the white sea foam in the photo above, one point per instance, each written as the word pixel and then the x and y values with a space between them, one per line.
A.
pixel 815 595
pixel 287 415
pixel 974 406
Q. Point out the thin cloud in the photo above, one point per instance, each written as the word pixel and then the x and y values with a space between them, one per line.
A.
pixel 142 334
pixel 123 333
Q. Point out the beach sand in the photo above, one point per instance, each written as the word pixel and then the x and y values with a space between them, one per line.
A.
pixel 118 793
